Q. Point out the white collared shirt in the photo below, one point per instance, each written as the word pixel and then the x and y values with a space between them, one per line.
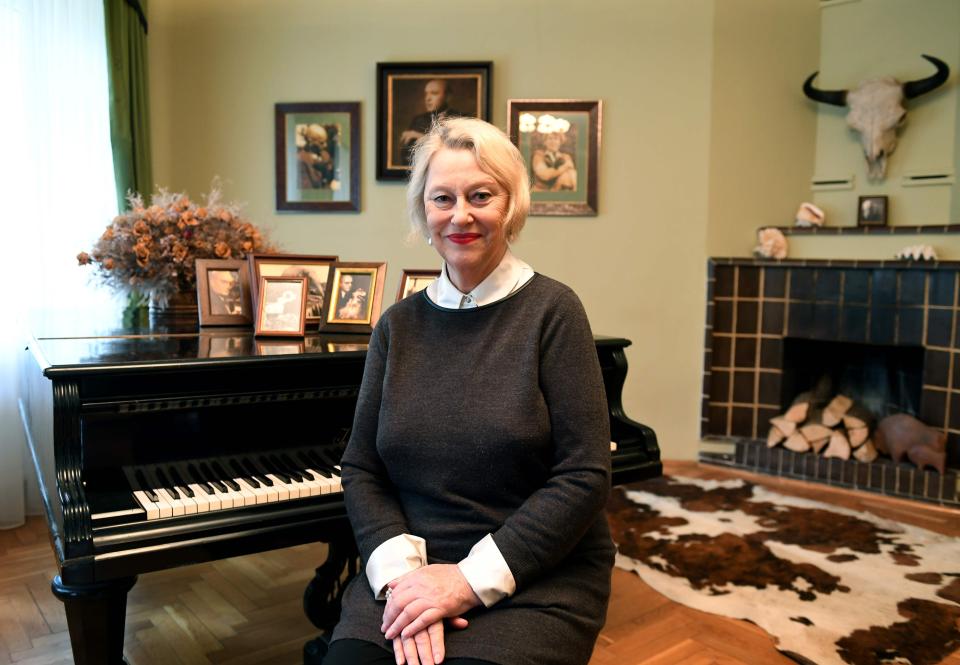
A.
pixel 509 275
pixel 484 568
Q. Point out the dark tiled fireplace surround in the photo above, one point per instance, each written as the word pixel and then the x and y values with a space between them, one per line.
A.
pixel 752 306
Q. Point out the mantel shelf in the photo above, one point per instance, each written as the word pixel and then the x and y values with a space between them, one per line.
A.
pixel 864 230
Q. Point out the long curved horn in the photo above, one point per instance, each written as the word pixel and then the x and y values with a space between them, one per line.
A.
pixel 916 88
pixel 833 97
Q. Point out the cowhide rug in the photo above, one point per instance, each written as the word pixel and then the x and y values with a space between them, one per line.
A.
pixel 831 585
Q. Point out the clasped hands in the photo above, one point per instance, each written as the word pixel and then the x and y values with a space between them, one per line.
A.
pixel 416 607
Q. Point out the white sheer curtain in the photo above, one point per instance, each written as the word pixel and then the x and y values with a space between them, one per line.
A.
pixel 56 195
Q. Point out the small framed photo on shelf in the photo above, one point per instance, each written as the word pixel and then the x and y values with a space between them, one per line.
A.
pixel 560 142
pixel 223 292
pixel 872 211
pixel 282 309
pixel 318 156
pixel 412 95
pixel 353 298
pixel 413 281
pixel 314 267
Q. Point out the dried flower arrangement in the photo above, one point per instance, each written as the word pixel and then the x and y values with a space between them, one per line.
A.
pixel 152 250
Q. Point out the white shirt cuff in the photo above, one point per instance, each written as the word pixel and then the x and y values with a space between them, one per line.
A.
pixel 393 558
pixel 487 572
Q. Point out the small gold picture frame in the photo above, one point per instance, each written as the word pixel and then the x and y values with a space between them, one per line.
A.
pixel 353 298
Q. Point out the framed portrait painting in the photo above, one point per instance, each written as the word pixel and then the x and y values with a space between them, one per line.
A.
pixel 316 268
pixel 413 281
pixel 560 143
pixel 282 309
pixel 318 156
pixel 223 292
pixel 353 298
pixel 411 95
pixel 872 211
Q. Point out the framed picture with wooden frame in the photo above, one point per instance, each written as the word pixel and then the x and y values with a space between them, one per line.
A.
pixel 413 281
pixel 411 95
pixel 282 309
pixel 317 156
pixel 560 142
pixel 353 299
pixel 315 267
pixel 872 211
pixel 223 292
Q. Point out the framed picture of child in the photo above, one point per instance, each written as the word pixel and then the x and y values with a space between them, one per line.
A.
pixel 282 309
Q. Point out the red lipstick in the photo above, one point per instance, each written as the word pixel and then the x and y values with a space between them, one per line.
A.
pixel 463 238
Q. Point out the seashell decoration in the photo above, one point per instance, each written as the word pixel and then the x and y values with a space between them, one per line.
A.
pixel 917 253
pixel 772 244
pixel 809 215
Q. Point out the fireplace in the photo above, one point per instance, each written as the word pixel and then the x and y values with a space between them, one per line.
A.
pixel 886 330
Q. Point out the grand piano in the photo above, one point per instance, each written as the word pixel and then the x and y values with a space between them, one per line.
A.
pixel 163 449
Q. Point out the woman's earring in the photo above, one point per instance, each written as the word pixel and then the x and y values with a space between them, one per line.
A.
pixel 430 240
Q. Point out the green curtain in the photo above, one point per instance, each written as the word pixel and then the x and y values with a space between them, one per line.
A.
pixel 126 32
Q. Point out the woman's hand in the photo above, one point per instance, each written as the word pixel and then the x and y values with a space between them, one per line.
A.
pixel 424 597
pixel 423 648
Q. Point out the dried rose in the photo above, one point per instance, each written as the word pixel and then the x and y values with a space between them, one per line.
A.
pixel 224 215
pixel 247 246
pixel 222 250
pixel 108 264
pixel 83 258
pixel 141 228
pixel 179 252
pixel 143 255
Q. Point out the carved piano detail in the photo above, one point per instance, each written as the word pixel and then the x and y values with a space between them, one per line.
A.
pixel 152 453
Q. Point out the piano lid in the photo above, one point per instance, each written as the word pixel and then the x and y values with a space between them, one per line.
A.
pixel 132 349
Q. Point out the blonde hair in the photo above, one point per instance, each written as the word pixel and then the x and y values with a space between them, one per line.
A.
pixel 496 156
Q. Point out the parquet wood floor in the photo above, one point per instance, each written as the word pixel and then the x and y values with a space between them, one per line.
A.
pixel 247 610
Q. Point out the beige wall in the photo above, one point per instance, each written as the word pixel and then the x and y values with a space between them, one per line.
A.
pixel 761 147
pixel 694 154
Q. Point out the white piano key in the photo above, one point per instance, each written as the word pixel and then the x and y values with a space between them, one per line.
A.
pixel 153 509
pixel 259 494
pixel 203 500
pixel 176 505
pixel 327 485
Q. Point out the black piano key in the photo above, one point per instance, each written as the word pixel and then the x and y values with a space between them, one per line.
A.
pixel 294 466
pixel 224 476
pixel 313 465
pixel 256 473
pixel 243 475
pixel 211 478
pixel 145 486
pixel 293 473
pixel 166 484
pixel 183 486
pixel 197 479
pixel 272 468
pixel 321 464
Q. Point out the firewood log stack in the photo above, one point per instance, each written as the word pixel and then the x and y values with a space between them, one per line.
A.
pixel 835 427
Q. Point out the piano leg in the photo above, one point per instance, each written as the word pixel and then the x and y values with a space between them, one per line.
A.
pixel 321 599
pixel 95 617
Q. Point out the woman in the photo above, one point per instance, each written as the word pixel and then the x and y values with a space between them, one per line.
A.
pixel 478 466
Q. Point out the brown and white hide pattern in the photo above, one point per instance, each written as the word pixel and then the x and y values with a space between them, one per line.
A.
pixel 831 585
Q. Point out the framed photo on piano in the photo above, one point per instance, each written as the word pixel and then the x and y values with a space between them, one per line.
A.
pixel 223 292
pixel 413 281
pixel 315 267
pixel 353 298
pixel 282 309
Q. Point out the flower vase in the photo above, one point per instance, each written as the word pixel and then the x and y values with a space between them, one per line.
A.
pixel 179 313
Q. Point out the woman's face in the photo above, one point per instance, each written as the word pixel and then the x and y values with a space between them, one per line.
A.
pixel 465 210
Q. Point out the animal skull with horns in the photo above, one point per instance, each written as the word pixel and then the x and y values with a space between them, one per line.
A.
pixel 876 110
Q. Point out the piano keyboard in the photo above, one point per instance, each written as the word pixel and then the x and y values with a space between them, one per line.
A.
pixel 174 489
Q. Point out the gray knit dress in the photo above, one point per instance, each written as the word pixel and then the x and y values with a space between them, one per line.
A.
pixel 488 420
